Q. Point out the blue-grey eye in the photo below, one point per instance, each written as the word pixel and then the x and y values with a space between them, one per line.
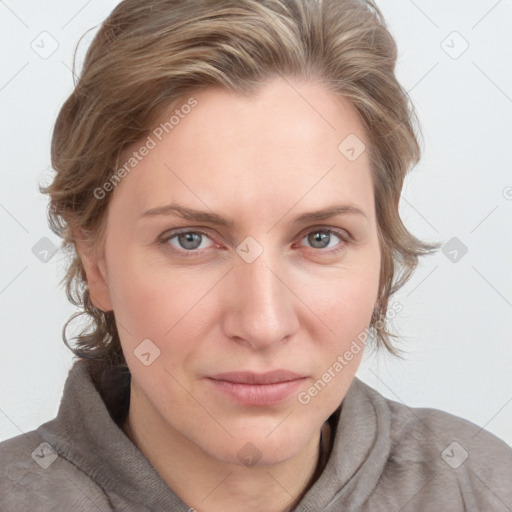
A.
pixel 189 240
pixel 320 239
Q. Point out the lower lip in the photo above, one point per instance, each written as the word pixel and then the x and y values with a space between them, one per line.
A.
pixel 258 394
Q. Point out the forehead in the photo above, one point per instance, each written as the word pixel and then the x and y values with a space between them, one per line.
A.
pixel 273 149
pixel 284 117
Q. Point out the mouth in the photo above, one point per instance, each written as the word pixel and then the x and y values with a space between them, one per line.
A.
pixel 252 389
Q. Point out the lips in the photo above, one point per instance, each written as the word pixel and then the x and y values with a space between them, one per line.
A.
pixel 272 377
pixel 253 389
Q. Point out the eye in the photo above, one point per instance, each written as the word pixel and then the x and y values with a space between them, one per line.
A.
pixel 187 242
pixel 321 239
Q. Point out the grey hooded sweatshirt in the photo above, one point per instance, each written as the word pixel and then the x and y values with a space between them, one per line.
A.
pixel 384 456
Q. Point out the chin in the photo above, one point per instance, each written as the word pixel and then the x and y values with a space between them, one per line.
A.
pixel 246 453
pixel 255 447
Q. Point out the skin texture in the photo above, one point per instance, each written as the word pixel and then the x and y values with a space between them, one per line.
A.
pixel 260 161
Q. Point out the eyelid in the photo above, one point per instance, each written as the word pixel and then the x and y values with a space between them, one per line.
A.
pixel 167 235
pixel 342 233
pixel 344 236
pixel 204 231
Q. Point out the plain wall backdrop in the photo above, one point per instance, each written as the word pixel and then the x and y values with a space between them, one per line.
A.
pixel 456 321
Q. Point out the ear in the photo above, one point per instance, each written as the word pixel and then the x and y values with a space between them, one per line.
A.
pixel 95 270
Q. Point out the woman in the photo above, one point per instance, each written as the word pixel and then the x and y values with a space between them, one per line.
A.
pixel 228 179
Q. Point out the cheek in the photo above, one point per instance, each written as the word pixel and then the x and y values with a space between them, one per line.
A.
pixel 344 306
pixel 163 303
pixel 146 299
pixel 345 302
pixel 344 309
pixel 347 316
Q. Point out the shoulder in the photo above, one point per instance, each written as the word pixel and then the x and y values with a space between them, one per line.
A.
pixel 34 477
pixel 446 455
pixel 419 433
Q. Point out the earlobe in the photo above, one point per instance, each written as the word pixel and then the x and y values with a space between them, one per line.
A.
pixel 95 270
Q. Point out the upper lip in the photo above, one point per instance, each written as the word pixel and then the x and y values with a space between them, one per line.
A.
pixel 258 378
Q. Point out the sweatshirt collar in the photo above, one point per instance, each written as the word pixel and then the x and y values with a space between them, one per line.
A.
pixel 85 434
pixel 362 444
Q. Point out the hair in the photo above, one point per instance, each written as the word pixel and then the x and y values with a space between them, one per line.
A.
pixel 148 55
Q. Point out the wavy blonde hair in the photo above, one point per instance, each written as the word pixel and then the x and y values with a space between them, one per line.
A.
pixel 148 54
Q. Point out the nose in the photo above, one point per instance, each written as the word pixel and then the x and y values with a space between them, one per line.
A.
pixel 261 308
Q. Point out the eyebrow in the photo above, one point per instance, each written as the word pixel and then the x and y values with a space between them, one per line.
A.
pixel 216 219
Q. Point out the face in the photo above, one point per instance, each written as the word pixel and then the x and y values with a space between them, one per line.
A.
pixel 263 291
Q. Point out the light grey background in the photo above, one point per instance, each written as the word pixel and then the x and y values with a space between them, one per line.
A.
pixel 456 319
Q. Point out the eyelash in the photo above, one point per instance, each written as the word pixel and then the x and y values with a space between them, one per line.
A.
pixel 194 253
